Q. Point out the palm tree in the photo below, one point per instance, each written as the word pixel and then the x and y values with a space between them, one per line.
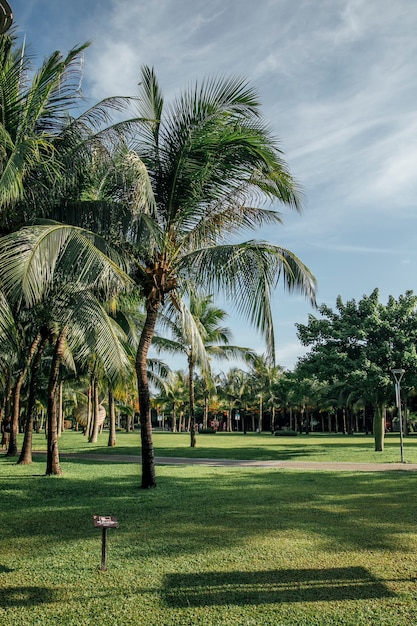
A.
pixel 52 274
pixel 202 167
pixel 32 113
pixel 265 375
pixel 198 334
pixel 232 387
pixel 174 396
pixel 208 157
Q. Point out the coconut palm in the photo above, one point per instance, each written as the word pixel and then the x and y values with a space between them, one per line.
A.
pixel 232 388
pixel 64 283
pixel 209 158
pixel 33 112
pixel 200 336
pixel 201 169
pixel 264 377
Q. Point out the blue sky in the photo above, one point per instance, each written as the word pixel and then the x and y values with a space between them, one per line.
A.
pixel 338 84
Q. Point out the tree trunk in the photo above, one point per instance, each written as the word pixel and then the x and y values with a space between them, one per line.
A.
pixel 206 411
pixel 14 425
pixel 193 440
pixel 174 418
pixel 229 419
pixel 260 415
pixel 60 410
pixel 6 411
pixel 112 420
pixel 379 427
pixel 52 461
pixel 94 392
pixel 148 456
pixel 87 430
pixel 26 452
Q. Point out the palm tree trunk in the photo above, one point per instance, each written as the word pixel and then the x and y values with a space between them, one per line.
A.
pixel 379 427
pixel 174 418
pixel 60 410
pixel 206 411
pixel 260 414
pixel 94 431
pixel 52 461
pixel 87 431
pixel 26 452
pixel 14 426
pixel 112 420
pixel 148 456
pixel 229 419
pixel 193 441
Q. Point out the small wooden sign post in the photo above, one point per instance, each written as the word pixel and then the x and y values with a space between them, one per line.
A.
pixel 104 522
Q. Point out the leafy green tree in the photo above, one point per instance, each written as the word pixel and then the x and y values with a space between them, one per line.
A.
pixel 359 344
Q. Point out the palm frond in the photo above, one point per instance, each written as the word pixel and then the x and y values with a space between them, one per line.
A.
pixel 30 259
pixel 246 273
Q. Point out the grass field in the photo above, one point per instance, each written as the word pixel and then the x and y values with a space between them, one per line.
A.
pixel 211 546
pixel 252 446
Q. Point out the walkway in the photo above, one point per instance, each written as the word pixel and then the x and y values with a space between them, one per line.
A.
pixel 302 465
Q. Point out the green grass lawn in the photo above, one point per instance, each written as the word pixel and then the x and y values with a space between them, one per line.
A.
pixel 252 446
pixel 211 546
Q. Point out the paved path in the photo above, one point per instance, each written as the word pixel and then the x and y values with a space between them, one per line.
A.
pixel 303 465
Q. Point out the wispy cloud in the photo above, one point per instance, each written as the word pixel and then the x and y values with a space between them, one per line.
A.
pixel 338 83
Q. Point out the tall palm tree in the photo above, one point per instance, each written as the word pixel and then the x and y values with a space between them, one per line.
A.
pixel 232 387
pixel 209 158
pixel 174 396
pixel 201 167
pixel 265 375
pixel 33 112
pixel 200 336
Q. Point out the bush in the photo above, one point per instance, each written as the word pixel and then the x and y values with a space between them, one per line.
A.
pixel 207 431
pixel 285 433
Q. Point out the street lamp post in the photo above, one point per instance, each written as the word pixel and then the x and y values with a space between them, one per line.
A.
pixel 398 374
pixel 6 16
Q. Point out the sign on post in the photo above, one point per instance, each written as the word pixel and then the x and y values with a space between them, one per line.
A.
pixel 104 522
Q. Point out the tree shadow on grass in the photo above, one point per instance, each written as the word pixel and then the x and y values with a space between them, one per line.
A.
pixel 26 596
pixel 276 586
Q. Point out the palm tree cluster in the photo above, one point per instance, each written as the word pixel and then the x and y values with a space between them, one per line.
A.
pixel 111 228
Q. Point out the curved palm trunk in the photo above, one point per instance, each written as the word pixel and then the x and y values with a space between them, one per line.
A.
pixel 14 425
pixel 26 452
pixel 52 461
pixel 193 441
pixel 112 420
pixel 148 457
